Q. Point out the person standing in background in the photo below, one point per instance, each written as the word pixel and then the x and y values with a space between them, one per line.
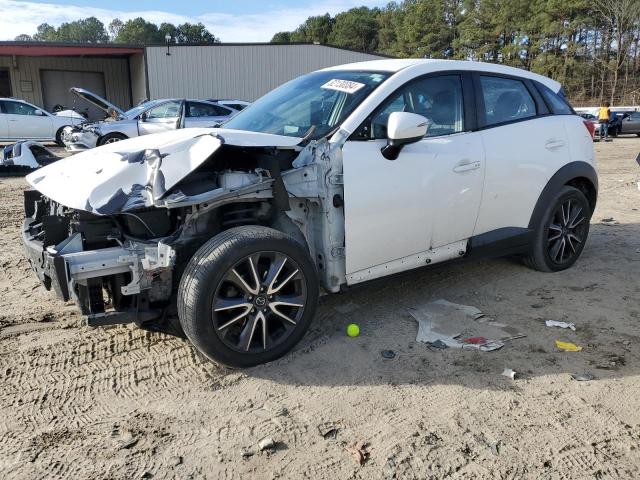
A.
pixel 604 117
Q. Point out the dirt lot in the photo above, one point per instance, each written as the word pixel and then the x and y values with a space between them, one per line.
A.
pixel 122 403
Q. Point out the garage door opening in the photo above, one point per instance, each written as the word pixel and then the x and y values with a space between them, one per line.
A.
pixel 56 85
pixel 5 83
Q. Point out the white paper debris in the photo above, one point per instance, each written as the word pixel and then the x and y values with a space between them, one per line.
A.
pixel 345 86
pixel 509 373
pixel 444 321
pixel 556 323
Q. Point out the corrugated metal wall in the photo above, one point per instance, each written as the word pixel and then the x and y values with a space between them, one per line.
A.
pixel 243 72
pixel 25 76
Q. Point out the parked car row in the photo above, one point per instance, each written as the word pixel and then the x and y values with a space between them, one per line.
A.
pixel 21 120
pixel 621 123
pixel 154 116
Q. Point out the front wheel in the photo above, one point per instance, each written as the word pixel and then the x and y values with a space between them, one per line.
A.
pixel 248 296
pixel 111 138
pixel 562 232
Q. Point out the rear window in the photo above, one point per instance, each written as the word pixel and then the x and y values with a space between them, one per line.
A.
pixel 506 100
pixel 558 104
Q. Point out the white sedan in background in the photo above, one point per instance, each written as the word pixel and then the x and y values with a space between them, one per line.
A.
pixel 20 120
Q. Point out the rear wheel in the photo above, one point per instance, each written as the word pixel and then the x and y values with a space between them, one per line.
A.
pixel 111 138
pixel 247 296
pixel 562 232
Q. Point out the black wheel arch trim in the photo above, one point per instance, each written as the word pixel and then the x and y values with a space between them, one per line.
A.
pixel 569 173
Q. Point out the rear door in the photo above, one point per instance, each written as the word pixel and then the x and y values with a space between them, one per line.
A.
pixel 23 123
pixel 525 145
pixel 161 118
pixel 202 114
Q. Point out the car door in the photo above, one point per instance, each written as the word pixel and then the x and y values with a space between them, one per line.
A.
pixel 202 114
pixel 524 144
pixel 26 121
pixel 161 118
pixel 631 124
pixel 4 124
pixel 399 212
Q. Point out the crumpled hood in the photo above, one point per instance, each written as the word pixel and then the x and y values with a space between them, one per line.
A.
pixel 135 173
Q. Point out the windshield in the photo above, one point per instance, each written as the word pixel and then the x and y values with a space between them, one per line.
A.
pixel 312 105
pixel 135 111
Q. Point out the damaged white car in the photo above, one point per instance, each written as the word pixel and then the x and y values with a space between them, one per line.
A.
pixel 337 177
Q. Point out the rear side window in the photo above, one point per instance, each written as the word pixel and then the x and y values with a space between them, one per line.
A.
pixel 198 109
pixel 558 105
pixel 506 100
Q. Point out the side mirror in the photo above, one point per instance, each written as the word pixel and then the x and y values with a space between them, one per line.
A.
pixel 39 112
pixel 143 117
pixel 403 128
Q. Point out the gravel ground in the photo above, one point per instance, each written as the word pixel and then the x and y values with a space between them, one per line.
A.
pixel 121 403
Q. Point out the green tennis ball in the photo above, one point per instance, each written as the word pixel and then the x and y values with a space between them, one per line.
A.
pixel 353 330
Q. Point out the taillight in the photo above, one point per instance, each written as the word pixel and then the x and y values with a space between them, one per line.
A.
pixel 591 128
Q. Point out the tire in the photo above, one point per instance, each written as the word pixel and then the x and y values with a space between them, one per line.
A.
pixel 222 271
pixel 111 138
pixel 59 141
pixel 566 219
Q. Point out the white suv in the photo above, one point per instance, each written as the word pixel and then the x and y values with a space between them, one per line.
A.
pixel 337 177
pixel 20 120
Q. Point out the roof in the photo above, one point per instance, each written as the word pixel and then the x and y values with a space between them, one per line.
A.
pixel 433 65
pixel 47 49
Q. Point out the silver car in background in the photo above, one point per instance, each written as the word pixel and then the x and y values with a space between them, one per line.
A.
pixel 153 116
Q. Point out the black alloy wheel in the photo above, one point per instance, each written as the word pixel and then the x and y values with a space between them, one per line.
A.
pixel 259 302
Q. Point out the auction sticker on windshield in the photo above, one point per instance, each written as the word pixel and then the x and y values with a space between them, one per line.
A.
pixel 346 86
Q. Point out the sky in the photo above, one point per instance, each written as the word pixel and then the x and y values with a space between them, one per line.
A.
pixel 231 21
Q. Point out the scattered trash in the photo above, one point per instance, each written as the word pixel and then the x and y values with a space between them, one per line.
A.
pixel 248 453
pixel 556 323
pixel 175 460
pixel 495 447
pixel 438 344
pixel 388 354
pixel 491 346
pixel 509 373
pixel 476 340
pixel 353 330
pixel 583 377
pixel 360 451
pixel 441 323
pixel 123 440
pixel 328 430
pixel 568 346
pixel 266 443
pixel 609 221
pixel 390 469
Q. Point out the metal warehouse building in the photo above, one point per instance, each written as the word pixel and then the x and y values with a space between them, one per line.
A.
pixel 42 73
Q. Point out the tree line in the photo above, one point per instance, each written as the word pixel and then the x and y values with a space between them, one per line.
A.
pixel 134 31
pixel 590 46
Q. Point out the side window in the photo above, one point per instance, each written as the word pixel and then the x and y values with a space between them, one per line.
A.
pixel 198 109
pixel 635 117
pixel 166 110
pixel 558 105
pixel 18 108
pixel 506 100
pixel 438 99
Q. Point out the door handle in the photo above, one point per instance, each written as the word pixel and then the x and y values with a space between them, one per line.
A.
pixel 466 165
pixel 553 144
pixel 12 120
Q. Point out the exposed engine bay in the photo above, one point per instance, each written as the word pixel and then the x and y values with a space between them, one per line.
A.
pixel 114 231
